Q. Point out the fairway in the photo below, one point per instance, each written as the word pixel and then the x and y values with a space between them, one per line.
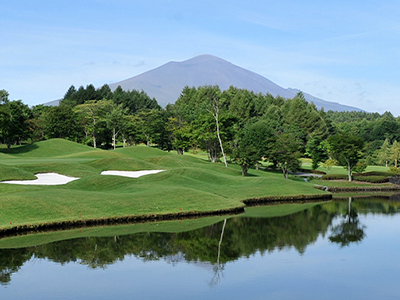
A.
pixel 187 185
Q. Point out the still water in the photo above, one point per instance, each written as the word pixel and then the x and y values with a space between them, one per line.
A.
pixel 343 249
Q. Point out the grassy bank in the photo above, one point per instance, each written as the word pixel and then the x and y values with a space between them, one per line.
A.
pixel 187 185
pixel 174 226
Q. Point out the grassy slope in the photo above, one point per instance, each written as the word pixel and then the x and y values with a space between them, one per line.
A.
pixel 32 240
pixel 188 184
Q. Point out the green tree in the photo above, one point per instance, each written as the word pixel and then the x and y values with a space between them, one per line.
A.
pixel 211 96
pixel 150 125
pixel 346 149
pixel 134 101
pixel 285 152
pixel 317 150
pixel 115 120
pixel 36 123
pixel 93 116
pixel 385 152
pixel 255 142
pixel 61 122
pixel 329 163
pixel 13 117
pixel 180 134
pixel 395 153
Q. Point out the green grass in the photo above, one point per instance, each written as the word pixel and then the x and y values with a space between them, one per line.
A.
pixel 174 226
pixel 306 164
pixel 346 183
pixel 188 184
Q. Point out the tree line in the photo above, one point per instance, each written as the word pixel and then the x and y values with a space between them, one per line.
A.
pixel 235 125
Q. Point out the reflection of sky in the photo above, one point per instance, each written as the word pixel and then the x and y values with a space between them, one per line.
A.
pixel 368 270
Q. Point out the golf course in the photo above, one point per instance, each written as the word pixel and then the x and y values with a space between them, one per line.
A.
pixel 186 185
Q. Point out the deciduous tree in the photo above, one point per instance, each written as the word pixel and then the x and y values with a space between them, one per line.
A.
pixel 346 149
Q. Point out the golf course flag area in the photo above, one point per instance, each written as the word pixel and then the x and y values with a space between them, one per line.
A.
pixel 135 181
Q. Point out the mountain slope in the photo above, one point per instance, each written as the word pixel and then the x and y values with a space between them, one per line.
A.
pixel 167 81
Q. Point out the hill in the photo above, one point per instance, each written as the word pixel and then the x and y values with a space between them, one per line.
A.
pixel 48 148
pixel 166 82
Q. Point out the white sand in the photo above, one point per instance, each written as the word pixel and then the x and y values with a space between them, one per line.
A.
pixel 58 179
pixel 131 174
pixel 45 179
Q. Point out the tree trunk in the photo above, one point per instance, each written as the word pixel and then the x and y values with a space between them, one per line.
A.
pixel 94 133
pixel 220 241
pixel 245 168
pixel 349 171
pixel 179 151
pixel 285 172
pixel 350 198
pixel 215 105
pixel 212 155
pixel 220 142
pixel 114 137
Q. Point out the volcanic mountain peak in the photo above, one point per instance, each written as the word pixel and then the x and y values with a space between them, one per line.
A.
pixel 166 82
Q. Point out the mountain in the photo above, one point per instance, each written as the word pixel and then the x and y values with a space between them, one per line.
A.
pixel 52 103
pixel 166 82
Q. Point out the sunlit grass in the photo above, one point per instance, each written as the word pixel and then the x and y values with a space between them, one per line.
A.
pixel 188 184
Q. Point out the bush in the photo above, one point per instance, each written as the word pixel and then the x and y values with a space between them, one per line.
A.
pixel 335 177
pixel 360 166
pixel 374 173
pixel 372 179
pixel 395 170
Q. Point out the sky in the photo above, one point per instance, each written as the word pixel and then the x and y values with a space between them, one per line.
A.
pixel 341 51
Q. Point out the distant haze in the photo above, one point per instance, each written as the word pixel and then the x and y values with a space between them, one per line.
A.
pixel 166 82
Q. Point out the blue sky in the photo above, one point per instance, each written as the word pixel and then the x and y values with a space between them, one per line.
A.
pixel 342 51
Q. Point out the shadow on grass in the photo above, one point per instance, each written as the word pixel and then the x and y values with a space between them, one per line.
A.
pixel 19 149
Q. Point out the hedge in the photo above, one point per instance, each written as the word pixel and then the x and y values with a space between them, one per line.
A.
pixel 358 177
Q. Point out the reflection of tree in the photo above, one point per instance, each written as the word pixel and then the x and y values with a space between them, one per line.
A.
pixel 11 260
pixel 218 268
pixel 350 230
pixel 216 244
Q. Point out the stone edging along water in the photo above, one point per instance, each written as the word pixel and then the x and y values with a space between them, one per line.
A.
pixel 64 225
pixel 336 189
pixel 271 200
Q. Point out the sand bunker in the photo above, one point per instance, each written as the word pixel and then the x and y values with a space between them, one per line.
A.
pixel 45 179
pixel 131 174
pixel 58 179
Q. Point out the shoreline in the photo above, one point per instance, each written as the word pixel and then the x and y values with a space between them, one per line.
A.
pixel 375 188
pixel 132 219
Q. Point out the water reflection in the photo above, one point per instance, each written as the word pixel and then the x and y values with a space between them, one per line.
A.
pixel 349 230
pixel 214 245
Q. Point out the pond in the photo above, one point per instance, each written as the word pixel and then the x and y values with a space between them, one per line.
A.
pixel 338 249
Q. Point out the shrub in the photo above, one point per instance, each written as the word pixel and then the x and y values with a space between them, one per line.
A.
pixel 334 177
pixel 360 167
pixel 372 179
pixel 395 170
pixel 374 173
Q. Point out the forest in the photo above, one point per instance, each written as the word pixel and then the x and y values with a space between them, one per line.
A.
pixel 232 126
